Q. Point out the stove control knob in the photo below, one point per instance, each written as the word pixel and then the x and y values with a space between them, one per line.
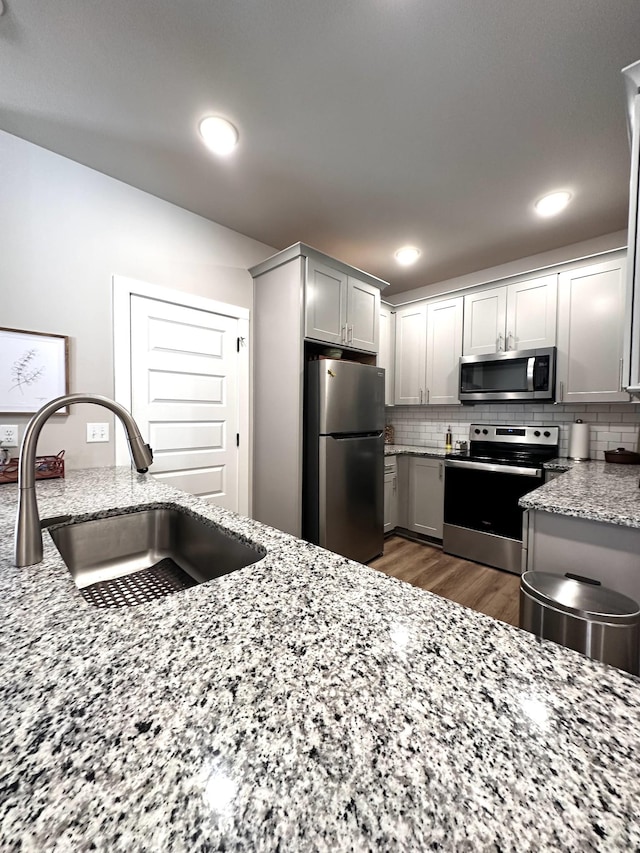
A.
pixel 537 433
pixel 477 431
pixel 547 433
pixel 485 432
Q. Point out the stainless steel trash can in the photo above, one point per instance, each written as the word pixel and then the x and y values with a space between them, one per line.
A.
pixel 600 623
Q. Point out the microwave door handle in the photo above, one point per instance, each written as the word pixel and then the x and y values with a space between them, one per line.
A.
pixel 531 363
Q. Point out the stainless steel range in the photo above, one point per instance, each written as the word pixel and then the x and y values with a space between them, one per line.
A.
pixel 482 519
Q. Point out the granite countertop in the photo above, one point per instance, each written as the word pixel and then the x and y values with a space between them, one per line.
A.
pixel 303 703
pixel 414 450
pixel 560 463
pixel 598 491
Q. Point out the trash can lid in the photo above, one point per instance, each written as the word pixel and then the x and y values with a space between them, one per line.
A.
pixel 587 600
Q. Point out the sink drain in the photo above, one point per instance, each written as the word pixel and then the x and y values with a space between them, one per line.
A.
pixel 157 581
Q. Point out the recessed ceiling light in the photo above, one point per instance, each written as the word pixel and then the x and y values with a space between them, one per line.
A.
pixel 407 255
pixel 553 203
pixel 219 135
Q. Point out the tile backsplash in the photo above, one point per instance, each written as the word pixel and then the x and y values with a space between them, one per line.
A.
pixel 612 424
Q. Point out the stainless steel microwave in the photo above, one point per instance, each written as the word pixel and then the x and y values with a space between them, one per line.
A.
pixel 514 375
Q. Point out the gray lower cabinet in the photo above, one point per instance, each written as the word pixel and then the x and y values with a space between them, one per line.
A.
pixel 390 494
pixel 594 550
pixel 426 496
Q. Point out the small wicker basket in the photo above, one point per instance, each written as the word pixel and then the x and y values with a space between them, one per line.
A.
pixel 47 468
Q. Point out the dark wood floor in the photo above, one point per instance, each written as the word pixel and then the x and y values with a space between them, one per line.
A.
pixel 489 591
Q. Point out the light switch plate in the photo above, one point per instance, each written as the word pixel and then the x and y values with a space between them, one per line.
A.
pixel 97 432
pixel 8 435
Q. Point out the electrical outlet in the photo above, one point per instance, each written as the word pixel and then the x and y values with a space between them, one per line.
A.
pixel 97 432
pixel 8 435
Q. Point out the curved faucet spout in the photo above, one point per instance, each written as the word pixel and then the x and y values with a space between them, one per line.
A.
pixel 28 538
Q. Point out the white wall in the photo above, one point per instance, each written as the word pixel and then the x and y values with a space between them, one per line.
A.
pixel 65 230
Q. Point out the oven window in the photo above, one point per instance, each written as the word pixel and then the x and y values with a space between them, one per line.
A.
pixel 507 375
pixel 486 501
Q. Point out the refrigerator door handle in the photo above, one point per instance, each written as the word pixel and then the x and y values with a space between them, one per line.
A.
pixel 355 436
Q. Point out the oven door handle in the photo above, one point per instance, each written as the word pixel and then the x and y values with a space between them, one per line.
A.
pixel 498 469
pixel 531 364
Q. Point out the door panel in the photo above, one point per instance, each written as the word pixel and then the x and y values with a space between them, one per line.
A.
pixel 352 496
pixel 208 483
pixel 186 436
pixel 363 310
pixel 325 303
pixel 531 313
pixel 484 321
pixel 345 397
pixel 591 334
pixel 184 389
pixel 426 496
pixel 444 348
pixel 386 354
pixel 170 336
pixel 411 337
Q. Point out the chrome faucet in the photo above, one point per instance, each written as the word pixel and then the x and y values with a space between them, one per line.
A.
pixel 28 540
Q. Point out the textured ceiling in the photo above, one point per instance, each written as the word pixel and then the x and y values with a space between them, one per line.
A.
pixel 365 124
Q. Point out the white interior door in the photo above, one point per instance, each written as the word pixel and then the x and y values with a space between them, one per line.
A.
pixel 184 396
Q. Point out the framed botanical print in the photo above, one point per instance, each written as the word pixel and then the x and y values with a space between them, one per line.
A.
pixel 34 368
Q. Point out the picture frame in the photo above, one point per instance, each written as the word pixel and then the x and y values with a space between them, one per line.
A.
pixel 34 368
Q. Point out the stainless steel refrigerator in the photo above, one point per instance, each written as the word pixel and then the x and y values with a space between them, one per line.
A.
pixel 343 483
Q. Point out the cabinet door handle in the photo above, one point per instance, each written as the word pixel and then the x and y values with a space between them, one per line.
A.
pixel 500 344
pixel 441 467
pixel 421 396
pixel 510 341
pixel 427 400
pixel 620 372
pixel 343 334
pixel 561 391
pixel 395 482
pixel 351 333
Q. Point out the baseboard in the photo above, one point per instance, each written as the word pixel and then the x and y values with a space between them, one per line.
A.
pixel 415 537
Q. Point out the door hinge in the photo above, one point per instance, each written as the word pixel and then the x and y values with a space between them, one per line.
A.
pixel 237 439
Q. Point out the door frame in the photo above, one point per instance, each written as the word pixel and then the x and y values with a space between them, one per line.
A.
pixel 122 291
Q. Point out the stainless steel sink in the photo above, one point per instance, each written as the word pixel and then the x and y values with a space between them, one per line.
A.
pixel 130 558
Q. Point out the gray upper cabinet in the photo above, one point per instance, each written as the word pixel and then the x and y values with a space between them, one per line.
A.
pixel 363 315
pixel 340 308
pixel 325 297
pixel 531 313
pixel 386 352
pixel 444 348
pixel 516 316
pixel 411 344
pixel 591 349
pixel 428 350
pixel 484 321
